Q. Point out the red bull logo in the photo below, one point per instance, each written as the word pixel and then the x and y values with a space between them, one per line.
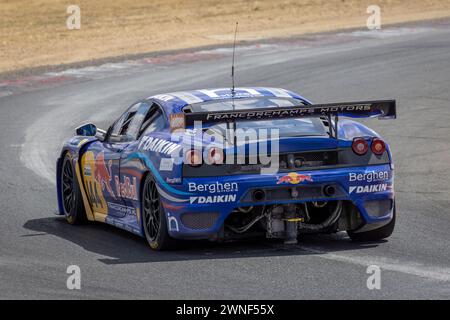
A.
pixel 103 173
pixel 294 178
pixel 127 188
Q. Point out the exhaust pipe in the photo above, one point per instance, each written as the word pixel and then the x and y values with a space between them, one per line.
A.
pixel 259 195
pixel 329 191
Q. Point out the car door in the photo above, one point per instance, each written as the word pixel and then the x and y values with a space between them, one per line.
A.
pixel 101 165
pixel 126 180
pixel 149 118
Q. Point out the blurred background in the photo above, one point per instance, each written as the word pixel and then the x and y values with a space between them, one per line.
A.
pixel 34 32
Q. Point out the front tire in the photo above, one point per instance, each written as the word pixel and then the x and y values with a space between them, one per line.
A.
pixel 375 235
pixel 154 218
pixel 72 201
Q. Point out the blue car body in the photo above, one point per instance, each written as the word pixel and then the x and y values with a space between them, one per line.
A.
pixel 198 204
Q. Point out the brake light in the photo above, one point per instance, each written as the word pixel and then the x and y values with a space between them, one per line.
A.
pixel 378 146
pixel 215 156
pixel 193 158
pixel 360 146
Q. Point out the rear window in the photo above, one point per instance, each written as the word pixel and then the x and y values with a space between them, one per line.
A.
pixel 244 103
pixel 286 127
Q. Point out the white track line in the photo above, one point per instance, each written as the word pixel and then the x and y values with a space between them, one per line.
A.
pixel 407 267
pixel 35 158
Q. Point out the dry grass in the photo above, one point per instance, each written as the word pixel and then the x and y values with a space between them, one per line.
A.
pixel 34 33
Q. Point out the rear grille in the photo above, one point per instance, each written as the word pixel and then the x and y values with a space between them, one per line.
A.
pixel 304 159
pixel 284 193
pixel 199 221
pixel 309 159
pixel 296 161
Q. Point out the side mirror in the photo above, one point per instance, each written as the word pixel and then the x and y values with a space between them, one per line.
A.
pixel 87 129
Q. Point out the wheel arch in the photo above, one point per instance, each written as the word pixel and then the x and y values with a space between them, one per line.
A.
pixel 141 194
pixel 75 153
pixel 59 163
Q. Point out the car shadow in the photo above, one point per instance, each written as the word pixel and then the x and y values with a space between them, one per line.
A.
pixel 121 247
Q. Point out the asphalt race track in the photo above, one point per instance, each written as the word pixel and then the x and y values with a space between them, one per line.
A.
pixel 410 63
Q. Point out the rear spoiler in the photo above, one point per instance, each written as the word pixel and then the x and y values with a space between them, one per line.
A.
pixel 383 109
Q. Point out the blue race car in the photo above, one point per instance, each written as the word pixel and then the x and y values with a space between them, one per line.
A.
pixel 223 164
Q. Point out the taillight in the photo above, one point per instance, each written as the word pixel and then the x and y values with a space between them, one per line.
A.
pixel 378 146
pixel 215 156
pixel 360 146
pixel 193 158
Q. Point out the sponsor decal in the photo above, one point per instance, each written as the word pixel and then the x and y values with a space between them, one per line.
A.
pixel 92 185
pixel 287 112
pixel 172 223
pixel 369 188
pixel 213 188
pixel 213 199
pixel 216 187
pixel 294 178
pixel 115 222
pixel 87 171
pixel 103 173
pixel 166 164
pixel 164 184
pixel 173 180
pixel 176 121
pixel 125 210
pixel 157 145
pixel 127 188
pixel 371 176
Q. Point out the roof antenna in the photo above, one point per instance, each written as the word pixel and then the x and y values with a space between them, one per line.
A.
pixel 232 64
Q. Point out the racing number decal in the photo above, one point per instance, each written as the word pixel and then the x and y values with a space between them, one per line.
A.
pixel 92 186
pixel 94 197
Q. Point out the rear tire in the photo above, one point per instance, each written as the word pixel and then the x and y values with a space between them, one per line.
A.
pixel 154 218
pixel 72 201
pixel 374 235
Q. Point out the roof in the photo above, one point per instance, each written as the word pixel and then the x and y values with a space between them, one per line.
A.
pixel 174 102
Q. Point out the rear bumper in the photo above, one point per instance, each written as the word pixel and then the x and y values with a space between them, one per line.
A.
pixel 199 206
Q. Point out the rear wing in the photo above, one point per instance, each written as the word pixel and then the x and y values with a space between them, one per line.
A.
pixel 383 109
